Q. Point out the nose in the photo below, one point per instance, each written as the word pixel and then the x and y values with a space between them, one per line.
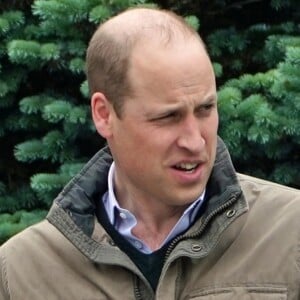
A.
pixel 190 135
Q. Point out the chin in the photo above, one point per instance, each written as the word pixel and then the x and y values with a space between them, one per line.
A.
pixel 188 199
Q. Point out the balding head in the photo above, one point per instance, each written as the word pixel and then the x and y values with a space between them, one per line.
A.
pixel 146 24
pixel 110 49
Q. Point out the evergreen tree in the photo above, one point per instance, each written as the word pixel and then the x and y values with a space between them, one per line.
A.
pixel 255 49
pixel 46 130
pixel 260 112
pixel 46 133
pixel 260 120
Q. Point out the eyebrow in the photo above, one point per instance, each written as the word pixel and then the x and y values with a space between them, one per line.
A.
pixel 177 107
pixel 208 100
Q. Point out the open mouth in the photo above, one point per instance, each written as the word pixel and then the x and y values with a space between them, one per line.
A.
pixel 186 167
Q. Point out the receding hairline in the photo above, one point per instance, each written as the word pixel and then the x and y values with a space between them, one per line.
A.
pixel 136 24
pixel 109 53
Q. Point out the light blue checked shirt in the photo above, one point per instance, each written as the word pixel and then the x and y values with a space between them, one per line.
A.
pixel 124 221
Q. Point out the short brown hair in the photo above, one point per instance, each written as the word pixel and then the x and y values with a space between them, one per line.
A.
pixel 109 51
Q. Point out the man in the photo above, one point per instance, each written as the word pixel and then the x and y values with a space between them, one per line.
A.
pixel 160 213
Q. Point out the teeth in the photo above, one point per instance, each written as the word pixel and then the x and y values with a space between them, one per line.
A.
pixel 187 166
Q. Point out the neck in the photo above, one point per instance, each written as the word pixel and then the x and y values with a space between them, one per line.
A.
pixel 154 225
pixel 155 219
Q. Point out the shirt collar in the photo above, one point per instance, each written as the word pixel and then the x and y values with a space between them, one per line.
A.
pixel 123 220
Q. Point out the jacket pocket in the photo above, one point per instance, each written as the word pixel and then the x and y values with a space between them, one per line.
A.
pixel 240 293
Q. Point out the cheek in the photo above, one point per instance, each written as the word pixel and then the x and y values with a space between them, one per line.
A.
pixel 156 139
pixel 165 142
pixel 210 135
pixel 211 127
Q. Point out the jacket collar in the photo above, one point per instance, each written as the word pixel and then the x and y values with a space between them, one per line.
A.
pixel 78 199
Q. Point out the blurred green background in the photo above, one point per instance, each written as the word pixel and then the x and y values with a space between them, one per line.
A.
pixel 46 132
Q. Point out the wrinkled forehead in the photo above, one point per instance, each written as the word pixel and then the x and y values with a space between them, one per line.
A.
pixel 178 64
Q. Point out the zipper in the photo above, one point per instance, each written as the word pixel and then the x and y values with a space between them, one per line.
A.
pixel 137 293
pixel 232 199
pixel 180 238
pixel 136 289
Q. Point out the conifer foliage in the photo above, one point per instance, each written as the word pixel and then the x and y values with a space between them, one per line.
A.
pixel 46 132
pixel 260 114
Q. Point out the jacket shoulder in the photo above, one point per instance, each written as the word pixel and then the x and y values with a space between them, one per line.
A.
pixel 14 254
pixel 271 200
pixel 26 257
pixel 274 210
pixel 30 235
pixel 33 242
pixel 270 189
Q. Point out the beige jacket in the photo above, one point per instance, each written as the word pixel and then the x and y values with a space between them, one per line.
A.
pixel 245 246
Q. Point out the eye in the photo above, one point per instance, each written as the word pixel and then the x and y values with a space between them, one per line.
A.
pixel 168 117
pixel 205 110
pixel 209 106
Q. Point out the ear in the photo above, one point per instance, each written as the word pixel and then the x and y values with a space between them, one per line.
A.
pixel 102 112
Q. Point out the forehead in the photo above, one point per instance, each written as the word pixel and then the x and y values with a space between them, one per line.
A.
pixel 181 63
pixel 164 78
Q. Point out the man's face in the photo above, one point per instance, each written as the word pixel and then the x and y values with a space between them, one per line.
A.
pixel 164 145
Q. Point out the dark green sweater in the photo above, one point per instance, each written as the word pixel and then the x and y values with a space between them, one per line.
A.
pixel 149 264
